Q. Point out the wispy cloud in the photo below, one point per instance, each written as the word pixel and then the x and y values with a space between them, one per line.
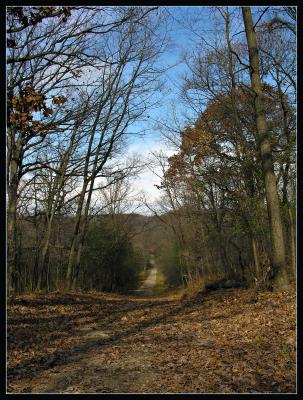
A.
pixel 147 180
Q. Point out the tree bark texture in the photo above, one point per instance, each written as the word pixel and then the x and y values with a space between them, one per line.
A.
pixel 280 278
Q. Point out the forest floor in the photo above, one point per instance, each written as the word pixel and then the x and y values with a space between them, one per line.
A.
pixel 219 342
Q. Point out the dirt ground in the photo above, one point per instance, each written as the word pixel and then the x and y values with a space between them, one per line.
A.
pixel 219 342
pixel 147 286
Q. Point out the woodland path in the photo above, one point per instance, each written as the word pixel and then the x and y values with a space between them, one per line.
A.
pixel 150 281
pixel 106 343
pixel 147 286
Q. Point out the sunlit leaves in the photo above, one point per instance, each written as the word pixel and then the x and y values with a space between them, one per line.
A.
pixel 21 108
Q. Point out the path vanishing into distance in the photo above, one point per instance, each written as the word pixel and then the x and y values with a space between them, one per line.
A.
pixel 148 285
pixel 150 281
pixel 110 343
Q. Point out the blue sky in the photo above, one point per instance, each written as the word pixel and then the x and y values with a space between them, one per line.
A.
pixel 181 40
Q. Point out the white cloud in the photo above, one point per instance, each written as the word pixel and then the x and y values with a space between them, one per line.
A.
pixel 147 180
pixel 146 183
pixel 142 186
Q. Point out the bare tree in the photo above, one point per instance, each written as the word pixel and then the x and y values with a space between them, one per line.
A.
pixel 50 52
pixel 276 230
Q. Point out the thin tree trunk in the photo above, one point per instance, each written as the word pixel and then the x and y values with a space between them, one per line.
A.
pixel 254 244
pixel 292 242
pixel 11 236
pixel 280 279
pixel 206 259
pixel 223 257
pixel 77 265
pixel 54 201
pixel 285 177
pixel 14 149
pixel 75 239
pixel 74 245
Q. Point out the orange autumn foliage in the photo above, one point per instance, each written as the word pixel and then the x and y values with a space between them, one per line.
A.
pixel 196 145
pixel 22 106
pixel 217 130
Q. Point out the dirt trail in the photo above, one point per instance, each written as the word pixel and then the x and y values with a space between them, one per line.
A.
pixel 147 286
pixel 150 281
pixel 103 343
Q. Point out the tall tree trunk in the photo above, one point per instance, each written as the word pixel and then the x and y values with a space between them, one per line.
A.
pixel 77 265
pixel 54 202
pixel 286 179
pixel 72 260
pixel 11 236
pixel 41 284
pixel 292 241
pixel 14 151
pixel 280 279
pixel 81 235
pixel 206 263
pixel 75 239
pixel 223 256
pixel 254 244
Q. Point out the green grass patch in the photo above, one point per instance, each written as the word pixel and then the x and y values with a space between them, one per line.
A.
pixel 160 285
pixel 143 275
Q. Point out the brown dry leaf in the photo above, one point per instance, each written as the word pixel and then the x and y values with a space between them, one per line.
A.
pixel 210 346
